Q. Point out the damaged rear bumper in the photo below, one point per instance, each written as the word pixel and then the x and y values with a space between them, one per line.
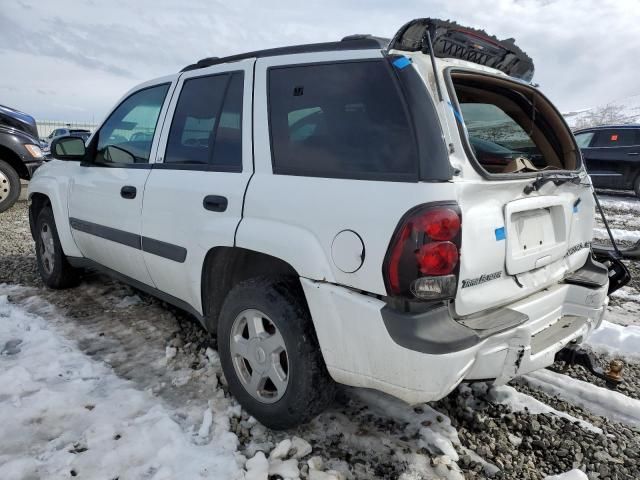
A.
pixel 422 357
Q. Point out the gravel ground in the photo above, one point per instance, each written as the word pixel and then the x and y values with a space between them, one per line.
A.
pixel 130 331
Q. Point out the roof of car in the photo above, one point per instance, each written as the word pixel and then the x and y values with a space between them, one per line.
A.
pixel 602 127
pixel 352 42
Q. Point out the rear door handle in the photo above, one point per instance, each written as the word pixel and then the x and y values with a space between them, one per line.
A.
pixel 633 153
pixel 215 203
pixel 128 192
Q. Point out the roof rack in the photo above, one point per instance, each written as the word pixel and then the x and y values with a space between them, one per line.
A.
pixel 351 42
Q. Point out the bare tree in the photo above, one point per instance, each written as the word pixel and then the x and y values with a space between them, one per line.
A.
pixel 609 114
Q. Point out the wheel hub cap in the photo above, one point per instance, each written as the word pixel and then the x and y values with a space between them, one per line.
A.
pixel 47 249
pixel 259 356
pixel 5 186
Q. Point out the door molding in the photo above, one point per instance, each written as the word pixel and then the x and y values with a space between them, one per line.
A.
pixel 146 244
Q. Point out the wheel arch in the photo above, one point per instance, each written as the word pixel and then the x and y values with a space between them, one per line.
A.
pixel 38 201
pixel 225 267
pixel 13 159
pixel 47 188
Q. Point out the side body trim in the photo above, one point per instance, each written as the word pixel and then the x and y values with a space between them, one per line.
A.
pixel 146 244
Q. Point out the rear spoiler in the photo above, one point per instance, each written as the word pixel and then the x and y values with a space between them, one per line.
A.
pixel 450 40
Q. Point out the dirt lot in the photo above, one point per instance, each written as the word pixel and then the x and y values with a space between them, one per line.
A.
pixel 527 430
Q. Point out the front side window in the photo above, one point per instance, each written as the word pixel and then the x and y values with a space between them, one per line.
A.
pixel 341 120
pixel 206 124
pixel 127 135
pixel 584 139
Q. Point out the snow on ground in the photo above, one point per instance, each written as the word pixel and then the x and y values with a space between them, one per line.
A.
pixel 518 402
pixel 68 415
pixel 574 474
pixel 618 234
pixel 616 340
pixel 623 203
pixel 600 401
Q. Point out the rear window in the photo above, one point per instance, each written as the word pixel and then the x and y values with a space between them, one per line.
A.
pixel 340 120
pixel 510 127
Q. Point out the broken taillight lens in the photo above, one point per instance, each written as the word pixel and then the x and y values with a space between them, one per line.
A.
pixel 422 259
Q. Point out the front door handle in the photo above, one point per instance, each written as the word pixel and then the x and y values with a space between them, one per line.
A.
pixel 633 153
pixel 128 192
pixel 215 203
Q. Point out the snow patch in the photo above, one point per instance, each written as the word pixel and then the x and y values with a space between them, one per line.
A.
pixel 61 411
pixel 570 475
pixel 599 401
pixel 616 340
pixel 618 234
pixel 129 301
pixel 519 401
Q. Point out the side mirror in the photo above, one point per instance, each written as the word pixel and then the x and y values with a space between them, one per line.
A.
pixel 68 148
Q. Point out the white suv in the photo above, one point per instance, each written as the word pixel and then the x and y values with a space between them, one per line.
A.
pixel 398 216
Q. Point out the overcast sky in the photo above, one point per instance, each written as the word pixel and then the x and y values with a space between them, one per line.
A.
pixel 72 60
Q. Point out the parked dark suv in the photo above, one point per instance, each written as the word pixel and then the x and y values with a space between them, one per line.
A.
pixel 612 156
pixel 20 153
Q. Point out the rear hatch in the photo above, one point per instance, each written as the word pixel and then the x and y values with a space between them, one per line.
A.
pixel 528 216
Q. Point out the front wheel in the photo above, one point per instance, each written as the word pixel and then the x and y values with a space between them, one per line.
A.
pixel 9 186
pixel 270 355
pixel 53 266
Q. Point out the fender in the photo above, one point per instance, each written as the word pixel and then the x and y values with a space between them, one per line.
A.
pixel 52 180
pixel 290 243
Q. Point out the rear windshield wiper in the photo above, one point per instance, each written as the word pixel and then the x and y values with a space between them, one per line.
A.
pixel 556 178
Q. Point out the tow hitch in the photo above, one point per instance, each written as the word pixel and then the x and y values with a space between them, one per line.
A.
pixel 575 355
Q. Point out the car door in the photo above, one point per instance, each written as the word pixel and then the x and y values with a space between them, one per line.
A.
pixel 105 196
pixel 607 157
pixel 194 194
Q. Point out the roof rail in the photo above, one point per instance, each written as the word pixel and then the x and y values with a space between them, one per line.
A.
pixel 352 42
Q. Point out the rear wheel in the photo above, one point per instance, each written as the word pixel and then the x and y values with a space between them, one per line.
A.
pixel 9 186
pixel 53 266
pixel 270 355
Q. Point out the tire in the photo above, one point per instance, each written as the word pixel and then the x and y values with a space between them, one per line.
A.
pixel 9 186
pixel 278 305
pixel 636 186
pixel 54 269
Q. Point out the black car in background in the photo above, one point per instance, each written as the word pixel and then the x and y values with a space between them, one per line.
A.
pixel 612 156
pixel 20 153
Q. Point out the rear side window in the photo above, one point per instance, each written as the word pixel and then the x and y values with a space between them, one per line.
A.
pixel 340 120
pixel 206 125
pixel 624 137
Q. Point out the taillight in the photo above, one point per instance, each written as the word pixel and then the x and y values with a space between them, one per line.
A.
pixel 422 259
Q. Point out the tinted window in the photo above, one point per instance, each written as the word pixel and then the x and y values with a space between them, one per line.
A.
pixel 227 153
pixel 206 124
pixel 583 139
pixel 624 137
pixel 127 134
pixel 340 120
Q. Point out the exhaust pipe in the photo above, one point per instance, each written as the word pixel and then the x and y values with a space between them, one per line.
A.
pixel 576 355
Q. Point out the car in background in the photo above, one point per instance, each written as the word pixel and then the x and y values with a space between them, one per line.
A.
pixel 612 156
pixel 20 153
pixel 64 132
